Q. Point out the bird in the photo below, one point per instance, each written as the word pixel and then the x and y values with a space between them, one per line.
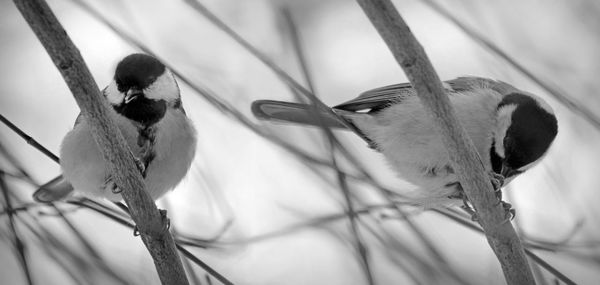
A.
pixel 511 129
pixel 147 108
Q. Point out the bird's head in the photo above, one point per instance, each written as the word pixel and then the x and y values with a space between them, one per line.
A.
pixel 142 89
pixel 526 127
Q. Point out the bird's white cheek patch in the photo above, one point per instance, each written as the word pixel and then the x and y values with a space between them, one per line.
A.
pixel 112 94
pixel 504 120
pixel 542 103
pixel 164 88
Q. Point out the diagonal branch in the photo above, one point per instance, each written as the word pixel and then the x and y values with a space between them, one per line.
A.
pixel 560 95
pixel 466 162
pixel 69 62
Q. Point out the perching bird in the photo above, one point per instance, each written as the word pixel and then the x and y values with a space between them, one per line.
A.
pixel 511 129
pixel 146 105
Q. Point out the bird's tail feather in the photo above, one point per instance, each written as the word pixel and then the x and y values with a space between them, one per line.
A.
pixel 294 113
pixel 53 190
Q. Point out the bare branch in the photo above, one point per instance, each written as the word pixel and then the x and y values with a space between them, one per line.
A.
pixel 28 139
pixel 560 95
pixel 358 242
pixel 69 62
pixel 466 162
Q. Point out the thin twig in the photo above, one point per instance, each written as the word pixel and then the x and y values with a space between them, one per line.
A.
pixel 465 161
pixel 286 78
pixel 359 244
pixel 77 268
pixel 28 139
pixel 298 47
pixel 17 240
pixel 101 263
pixel 205 266
pixel 103 209
pixel 551 269
pixel 537 259
pixel 194 277
pixel 117 217
pixel 203 243
pixel 559 95
pixel 105 132
pixel 207 94
pixel 304 67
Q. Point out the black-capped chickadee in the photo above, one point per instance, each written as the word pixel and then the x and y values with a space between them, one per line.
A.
pixel 147 109
pixel 511 129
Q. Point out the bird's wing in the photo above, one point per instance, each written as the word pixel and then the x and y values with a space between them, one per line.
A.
pixel 380 98
pixel 79 119
pixel 53 190
pixel 469 83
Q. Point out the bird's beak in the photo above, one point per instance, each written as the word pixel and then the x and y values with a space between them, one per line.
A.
pixel 132 94
pixel 508 171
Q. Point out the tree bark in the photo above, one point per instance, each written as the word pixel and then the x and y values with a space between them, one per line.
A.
pixel 465 161
pixel 116 153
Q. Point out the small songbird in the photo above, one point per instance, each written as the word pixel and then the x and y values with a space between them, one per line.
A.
pixel 146 106
pixel 511 129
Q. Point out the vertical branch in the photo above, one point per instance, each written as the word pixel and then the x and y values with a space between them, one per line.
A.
pixel 466 162
pixel 117 155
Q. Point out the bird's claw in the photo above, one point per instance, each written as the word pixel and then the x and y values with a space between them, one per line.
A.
pixel 166 220
pixel 140 165
pixel 509 212
pixel 467 208
pixel 166 223
pixel 496 179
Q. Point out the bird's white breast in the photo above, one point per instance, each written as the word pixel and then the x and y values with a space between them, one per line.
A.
pixel 83 166
pixel 175 147
pixel 408 138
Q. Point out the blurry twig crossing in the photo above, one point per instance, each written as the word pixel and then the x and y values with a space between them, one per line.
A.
pixel 560 95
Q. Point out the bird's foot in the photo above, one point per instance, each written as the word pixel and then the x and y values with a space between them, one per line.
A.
pixel 471 212
pixel 497 183
pixel 460 194
pixel 165 219
pixel 509 212
pixel 497 180
pixel 166 222
pixel 140 165
pixel 467 207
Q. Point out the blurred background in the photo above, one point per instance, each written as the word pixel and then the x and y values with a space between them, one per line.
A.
pixel 261 203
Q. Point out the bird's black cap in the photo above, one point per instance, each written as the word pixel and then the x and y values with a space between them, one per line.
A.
pixel 532 130
pixel 137 71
